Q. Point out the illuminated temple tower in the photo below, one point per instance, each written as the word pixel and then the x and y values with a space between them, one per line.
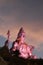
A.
pixel 19 45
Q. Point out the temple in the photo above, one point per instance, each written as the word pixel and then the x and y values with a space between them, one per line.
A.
pixel 21 48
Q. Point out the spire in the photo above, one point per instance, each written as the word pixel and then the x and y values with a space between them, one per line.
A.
pixel 8 35
pixel 20 31
pixel 7 41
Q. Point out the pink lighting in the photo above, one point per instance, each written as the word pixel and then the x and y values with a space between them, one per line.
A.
pixel 24 49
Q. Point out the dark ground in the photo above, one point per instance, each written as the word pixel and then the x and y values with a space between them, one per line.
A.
pixel 7 59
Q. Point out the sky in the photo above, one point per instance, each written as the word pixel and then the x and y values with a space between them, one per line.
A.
pixel 28 14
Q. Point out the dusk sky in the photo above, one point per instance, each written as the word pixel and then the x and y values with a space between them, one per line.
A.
pixel 28 14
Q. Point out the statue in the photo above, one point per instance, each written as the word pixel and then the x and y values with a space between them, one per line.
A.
pixel 25 51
